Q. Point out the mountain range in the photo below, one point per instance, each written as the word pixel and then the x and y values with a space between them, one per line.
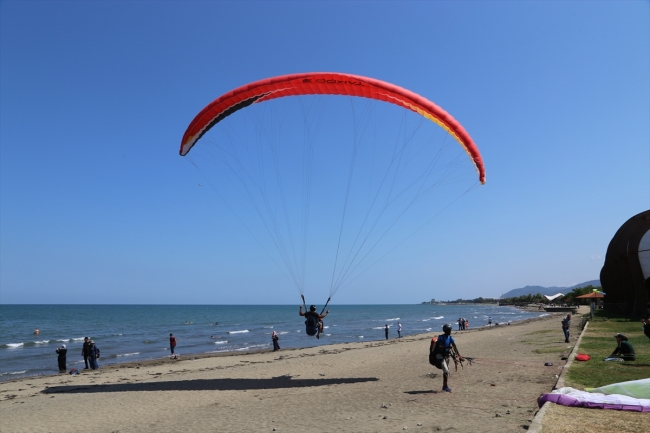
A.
pixel 533 290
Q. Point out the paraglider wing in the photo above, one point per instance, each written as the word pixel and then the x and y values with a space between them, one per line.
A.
pixel 325 83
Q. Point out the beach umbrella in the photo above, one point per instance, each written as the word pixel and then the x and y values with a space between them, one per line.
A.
pixel 591 295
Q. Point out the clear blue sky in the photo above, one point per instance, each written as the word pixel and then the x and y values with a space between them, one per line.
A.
pixel 96 205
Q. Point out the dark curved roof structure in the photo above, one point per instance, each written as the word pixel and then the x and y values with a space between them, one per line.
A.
pixel 624 276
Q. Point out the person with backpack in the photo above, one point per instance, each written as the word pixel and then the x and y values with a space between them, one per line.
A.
pixel 314 321
pixel 440 351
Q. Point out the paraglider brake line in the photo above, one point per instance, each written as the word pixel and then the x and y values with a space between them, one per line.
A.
pixel 328 301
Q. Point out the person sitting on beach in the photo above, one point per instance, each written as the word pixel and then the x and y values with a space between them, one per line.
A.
pixel 624 349
pixel 314 320
pixel 442 350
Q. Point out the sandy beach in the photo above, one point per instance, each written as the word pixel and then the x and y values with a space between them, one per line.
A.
pixel 379 386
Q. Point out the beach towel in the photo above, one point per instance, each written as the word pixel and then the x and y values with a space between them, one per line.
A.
pixel 575 398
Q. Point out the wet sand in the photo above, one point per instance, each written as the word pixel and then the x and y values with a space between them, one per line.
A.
pixel 379 386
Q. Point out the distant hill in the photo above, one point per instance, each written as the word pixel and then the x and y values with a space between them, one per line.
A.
pixel 533 290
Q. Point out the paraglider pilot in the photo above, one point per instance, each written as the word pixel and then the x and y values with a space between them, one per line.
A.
pixel 441 352
pixel 314 320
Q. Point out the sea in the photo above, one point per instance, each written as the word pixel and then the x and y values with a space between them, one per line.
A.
pixel 125 333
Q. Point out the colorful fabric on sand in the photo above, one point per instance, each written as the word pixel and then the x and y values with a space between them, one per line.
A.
pixel 575 398
pixel 633 388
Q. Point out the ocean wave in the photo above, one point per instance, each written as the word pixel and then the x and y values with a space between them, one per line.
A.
pixel 42 342
pixel 392 320
pixel 238 332
pixel 129 354
pixel 63 340
pixel 221 342
pixel 283 332
pixel 13 345
pixel 13 372
pixel 325 327
pixel 360 336
pixel 251 347
pixel 80 339
pixel 438 317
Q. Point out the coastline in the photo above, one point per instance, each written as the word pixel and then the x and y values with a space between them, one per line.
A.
pixel 382 386
pixel 204 355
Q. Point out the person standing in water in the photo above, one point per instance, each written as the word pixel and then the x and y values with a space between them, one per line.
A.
pixel 399 330
pixel 62 351
pixel 275 338
pixel 93 355
pixel 386 331
pixel 85 351
pixel 172 343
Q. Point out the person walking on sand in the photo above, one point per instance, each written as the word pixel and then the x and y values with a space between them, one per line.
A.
pixel 172 344
pixel 442 351
pixel 93 355
pixel 566 324
pixel 62 351
pixel 399 330
pixel 386 331
pixel 85 351
pixel 275 338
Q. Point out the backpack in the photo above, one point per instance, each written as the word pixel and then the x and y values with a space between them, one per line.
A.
pixel 312 324
pixel 433 359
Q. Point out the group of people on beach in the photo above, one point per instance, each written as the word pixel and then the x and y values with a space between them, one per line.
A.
pixel 89 351
pixel 463 324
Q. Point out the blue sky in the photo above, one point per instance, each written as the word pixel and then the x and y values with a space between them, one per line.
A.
pixel 96 205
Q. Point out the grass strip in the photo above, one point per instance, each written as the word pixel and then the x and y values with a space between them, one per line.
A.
pixel 599 342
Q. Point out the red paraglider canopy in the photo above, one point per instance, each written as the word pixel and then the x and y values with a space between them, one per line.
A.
pixel 326 83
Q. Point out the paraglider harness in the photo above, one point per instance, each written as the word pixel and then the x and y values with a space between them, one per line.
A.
pixel 445 352
pixel 312 318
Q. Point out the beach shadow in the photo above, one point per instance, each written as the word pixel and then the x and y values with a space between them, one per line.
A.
pixel 430 391
pixel 207 385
